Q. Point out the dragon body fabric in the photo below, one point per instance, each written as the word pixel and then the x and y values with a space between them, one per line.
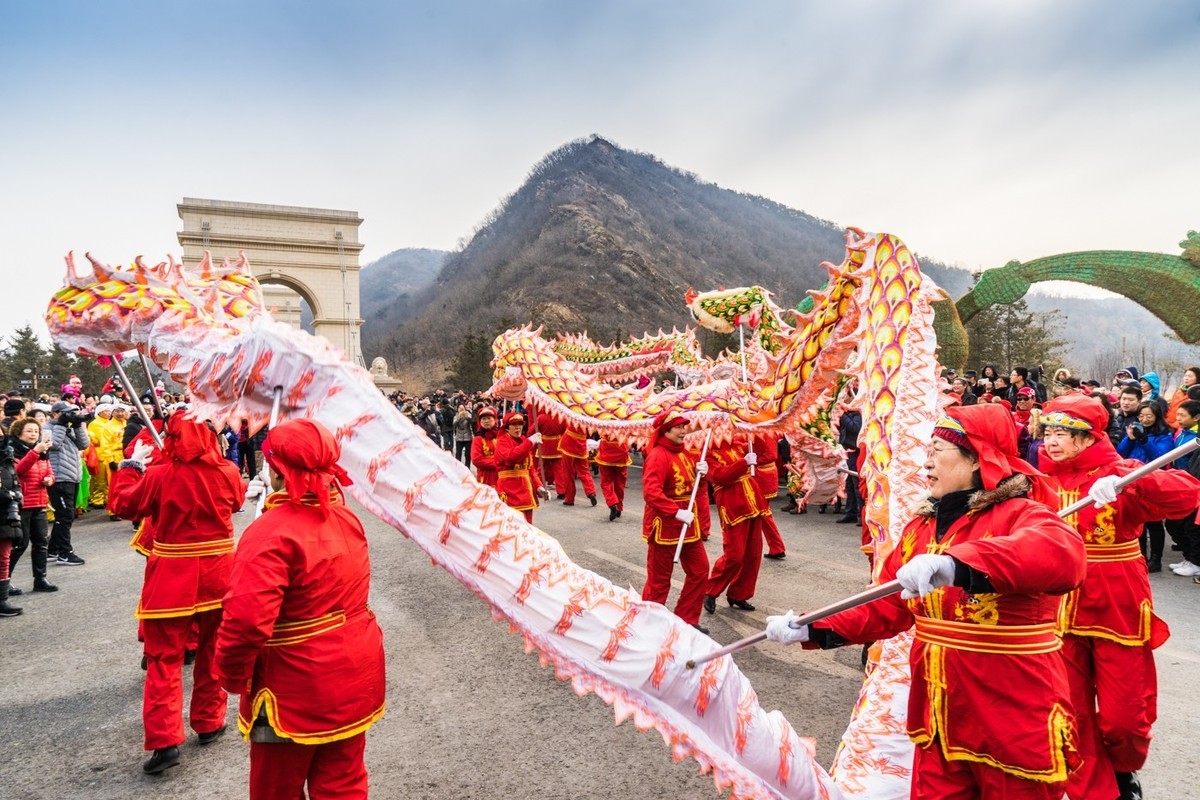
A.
pixel 208 327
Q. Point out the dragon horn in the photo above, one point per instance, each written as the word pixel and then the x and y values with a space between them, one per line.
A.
pixel 205 266
pixel 101 271
pixel 73 276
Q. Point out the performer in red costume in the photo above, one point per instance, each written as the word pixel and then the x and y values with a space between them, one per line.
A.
pixel 613 460
pixel 741 508
pixel 483 447
pixel 982 566
pixel 518 483
pixel 551 465
pixel 1108 625
pixel 668 474
pixel 766 449
pixel 573 449
pixel 298 642
pixel 189 497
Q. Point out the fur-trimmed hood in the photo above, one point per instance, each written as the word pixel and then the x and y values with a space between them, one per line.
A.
pixel 1016 485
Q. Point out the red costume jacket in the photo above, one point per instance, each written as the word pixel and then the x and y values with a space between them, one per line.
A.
pixel 32 471
pixel 297 639
pixel 668 475
pixel 738 496
pixel 189 498
pixel 613 454
pixel 483 457
pixel 551 431
pixel 988 680
pixel 1114 602
pixel 767 469
pixel 573 444
pixel 517 480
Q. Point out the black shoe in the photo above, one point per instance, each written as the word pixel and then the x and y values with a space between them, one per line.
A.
pixel 789 508
pixel 776 556
pixel 41 585
pixel 1154 564
pixel 70 560
pixel 1129 785
pixel 613 513
pixel 742 604
pixel 618 512
pixel 189 657
pixel 9 611
pixel 211 736
pixel 592 497
pixel 710 603
pixel 161 761
pixel 145 663
pixel 565 503
pixel 560 496
pixel 846 520
pixel 701 628
pixel 14 592
pixel 821 508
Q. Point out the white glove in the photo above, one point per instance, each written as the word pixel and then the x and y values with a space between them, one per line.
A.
pixel 142 453
pixel 685 516
pixel 543 492
pixel 593 445
pixel 780 629
pixel 536 438
pixel 751 458
pixel 1104 491
pixel 255 487
pixel 924 573
pixel 701 468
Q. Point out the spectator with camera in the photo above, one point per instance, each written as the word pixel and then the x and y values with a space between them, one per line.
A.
pixel 1145 440
pixel 30 452
pixel 1126 413
pixel 68 440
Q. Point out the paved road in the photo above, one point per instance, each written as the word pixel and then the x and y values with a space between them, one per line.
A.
pixel 470 714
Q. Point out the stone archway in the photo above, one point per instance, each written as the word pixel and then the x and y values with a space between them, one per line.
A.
pixel 311 251
pixel 1168 286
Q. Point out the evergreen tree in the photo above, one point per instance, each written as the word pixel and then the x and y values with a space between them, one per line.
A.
pixel 24 361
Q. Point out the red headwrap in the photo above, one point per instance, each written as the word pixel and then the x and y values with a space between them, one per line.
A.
pixel 664 422
pixel 305 453
pixel 486 411
pixel 1076 412
pixel 990 434
pixel 513 416
pixel 190 440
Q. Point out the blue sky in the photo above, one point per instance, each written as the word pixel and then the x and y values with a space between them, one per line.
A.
pixel 978 131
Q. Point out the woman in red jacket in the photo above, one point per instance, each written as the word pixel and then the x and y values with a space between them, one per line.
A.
pixel 983 565
pixel 518 483
pixel 483 447
pixel 33 470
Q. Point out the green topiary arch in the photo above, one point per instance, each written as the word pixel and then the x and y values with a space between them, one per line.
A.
pixel 1167 286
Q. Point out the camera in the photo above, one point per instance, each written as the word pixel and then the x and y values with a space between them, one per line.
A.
pixel 1138 428
pixel 73 418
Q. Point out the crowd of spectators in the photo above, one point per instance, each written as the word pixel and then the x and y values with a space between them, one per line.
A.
pixel 1144 424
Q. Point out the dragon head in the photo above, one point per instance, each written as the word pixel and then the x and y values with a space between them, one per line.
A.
pixel 110 310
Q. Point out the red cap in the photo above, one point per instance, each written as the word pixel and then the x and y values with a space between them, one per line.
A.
pixel 513 416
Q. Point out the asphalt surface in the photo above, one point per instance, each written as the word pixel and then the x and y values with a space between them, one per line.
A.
pixel 470 715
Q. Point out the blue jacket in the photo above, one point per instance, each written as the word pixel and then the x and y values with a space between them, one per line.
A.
pixel 1183 437
pixel 1147 447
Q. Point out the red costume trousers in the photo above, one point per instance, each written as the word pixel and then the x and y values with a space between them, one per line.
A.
pixel 775 543
pixel 570 468
pixel 935 778
pixel 660 561
pixel 612 484
pixel 335 770
pixel 741 556
pixel 162 696
pixel 1114 690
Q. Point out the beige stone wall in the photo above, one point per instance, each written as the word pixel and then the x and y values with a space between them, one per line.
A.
pixel 312 251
